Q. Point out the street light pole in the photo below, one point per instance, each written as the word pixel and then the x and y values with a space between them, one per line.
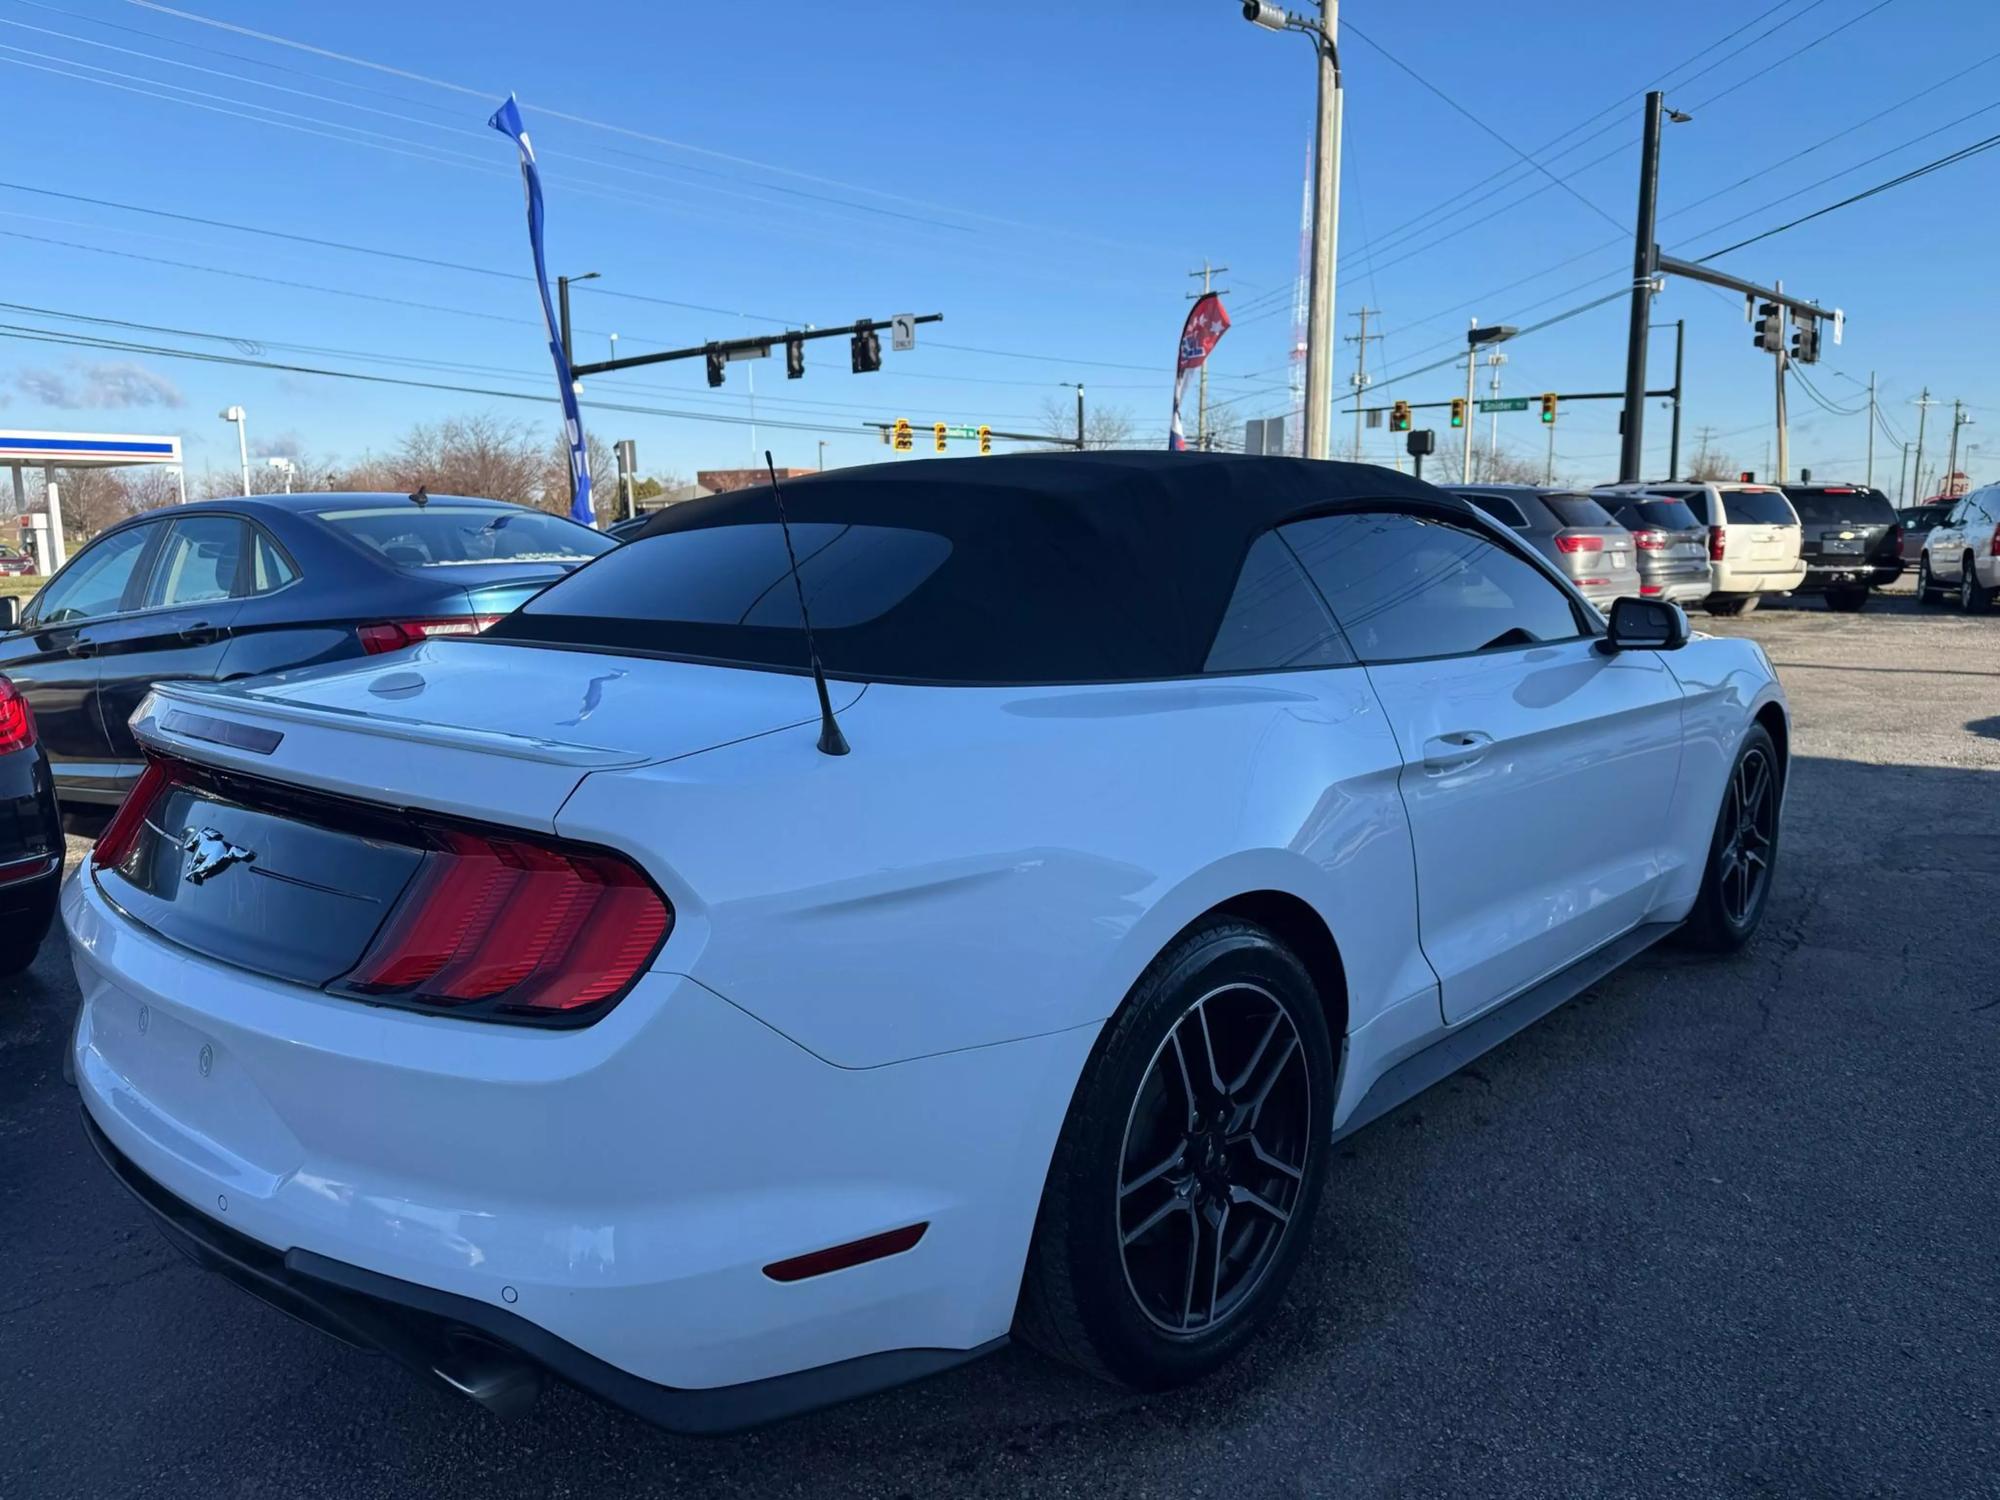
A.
pixel 1324 32
pixel 1644 249
pixel 235 414
pixel 1471 367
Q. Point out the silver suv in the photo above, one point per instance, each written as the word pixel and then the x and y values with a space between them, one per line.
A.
pixel 1962 552
pixel 1753 537
pixel 1570 529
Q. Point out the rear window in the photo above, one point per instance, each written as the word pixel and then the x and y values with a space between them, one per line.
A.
pixel 1578 510
pixel 1758 508
pixel 1657 515
pixel 1854 505
pixel 441 535
pixel 1499 507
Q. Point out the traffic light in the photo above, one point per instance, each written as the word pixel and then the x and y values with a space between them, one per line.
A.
pixel 1458 411
pixel 795 358
pixel 1399 417
pixel 985 438
pixel 937 434
pixel 902 442
pixel 867 350
pixel 1549 407
pixel 1805 341
pixel 1770 328
pixel 715 367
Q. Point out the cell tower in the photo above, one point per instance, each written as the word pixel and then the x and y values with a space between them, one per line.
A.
pixel 1295 423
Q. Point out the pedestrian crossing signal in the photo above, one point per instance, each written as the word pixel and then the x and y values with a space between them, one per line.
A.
pixel 902 440
pixel 1549 407
pixel 937 432
pixel 1458 411
pixel 985 438
pixel 1399 417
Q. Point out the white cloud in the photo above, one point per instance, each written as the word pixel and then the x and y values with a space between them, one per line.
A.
pixel 105 386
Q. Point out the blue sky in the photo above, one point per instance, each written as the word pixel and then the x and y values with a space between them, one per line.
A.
pixel 1043 174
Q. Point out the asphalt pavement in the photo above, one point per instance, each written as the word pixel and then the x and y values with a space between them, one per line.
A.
pixel 1721 1228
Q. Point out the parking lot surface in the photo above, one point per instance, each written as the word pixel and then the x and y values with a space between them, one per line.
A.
pixel 1717 1227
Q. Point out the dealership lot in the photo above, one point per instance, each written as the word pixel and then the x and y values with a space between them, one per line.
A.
pixel 1722 1227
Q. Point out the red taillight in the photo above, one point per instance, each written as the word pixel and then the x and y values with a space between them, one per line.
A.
pixel 122 832
pixel 533 926
pixel 1649 588
pixel 1566 542
pixel 1896 536
pixel 840 1257
pixel 1718 539
pixel 394 635
pixel 1993 547
pixel 1650 541
pixel 17 720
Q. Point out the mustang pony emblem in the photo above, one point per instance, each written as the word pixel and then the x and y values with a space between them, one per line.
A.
pixel 209 853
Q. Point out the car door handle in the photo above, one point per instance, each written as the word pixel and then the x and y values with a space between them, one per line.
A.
pixel 1456 750
pixel 199 633
pixel 80 647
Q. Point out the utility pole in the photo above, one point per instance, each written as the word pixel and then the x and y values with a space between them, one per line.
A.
pixel 1471 369
pixel 1871 429
pixel 1549 473
pixel 822 455
pixel 1644 252
pixel 1924 405
pixel 1680 348
pixel 1207 273
pixel 1360 342
pixel 1783 361
pixel 1958 419
pixel 1494 361
pixel 1903 479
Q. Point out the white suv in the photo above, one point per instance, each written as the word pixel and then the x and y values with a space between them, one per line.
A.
pixel 1962 552
pixel 1753 538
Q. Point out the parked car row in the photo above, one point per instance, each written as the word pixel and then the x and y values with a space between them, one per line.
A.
pixel 1721 544
pixel 223 589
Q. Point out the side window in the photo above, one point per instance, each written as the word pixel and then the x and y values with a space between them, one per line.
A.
pixel 201 561
pixel 1697 501
pixel 94 583
pixel 1274 618
pixel 1407 587
pixel 1501 509
pixel 269 568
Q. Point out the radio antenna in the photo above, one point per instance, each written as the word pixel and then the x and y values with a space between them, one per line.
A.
pixel 831 740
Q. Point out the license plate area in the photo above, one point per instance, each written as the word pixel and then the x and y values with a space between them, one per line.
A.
pixel 1836 545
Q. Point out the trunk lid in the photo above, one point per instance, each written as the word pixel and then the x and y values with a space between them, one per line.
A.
pixel 479 729
pixel 497 588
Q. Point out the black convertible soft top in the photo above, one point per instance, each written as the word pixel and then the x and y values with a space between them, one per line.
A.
pixel 1062 567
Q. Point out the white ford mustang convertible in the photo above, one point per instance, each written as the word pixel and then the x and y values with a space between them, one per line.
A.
pixel 583 1000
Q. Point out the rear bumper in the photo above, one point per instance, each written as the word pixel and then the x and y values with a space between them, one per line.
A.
pixel 1675 590
pixel 1860 573
pixel 619 1187
pixel 1738 580
pixel 493 1356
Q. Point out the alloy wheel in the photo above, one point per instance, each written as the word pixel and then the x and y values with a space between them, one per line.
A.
pixel 1750 821
pixel 1214 1159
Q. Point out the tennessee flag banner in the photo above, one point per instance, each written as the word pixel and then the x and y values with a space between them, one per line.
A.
pixel 507 120
pixel 1207 322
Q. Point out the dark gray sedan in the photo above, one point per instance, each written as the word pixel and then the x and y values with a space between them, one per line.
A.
pixel 1572 530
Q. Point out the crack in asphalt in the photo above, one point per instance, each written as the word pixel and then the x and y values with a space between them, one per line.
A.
pixel 114 1284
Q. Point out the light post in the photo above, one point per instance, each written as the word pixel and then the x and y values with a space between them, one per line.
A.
pixel 235 414
pixel 1324 32
pixel 1477 338
pixel 614 346
pixel 285 467
pixel 562 314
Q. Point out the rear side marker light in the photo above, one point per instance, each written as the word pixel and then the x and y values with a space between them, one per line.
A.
pixel 17 720
pixel 853 1253
pixel 394 635
pixel 1579 543
pixel 1718 540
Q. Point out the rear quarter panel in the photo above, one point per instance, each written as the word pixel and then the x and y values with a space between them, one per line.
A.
pixel 990 864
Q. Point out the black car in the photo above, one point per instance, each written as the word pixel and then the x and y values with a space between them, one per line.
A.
pixel 31 839
pixel 1850 540
pixel 232 588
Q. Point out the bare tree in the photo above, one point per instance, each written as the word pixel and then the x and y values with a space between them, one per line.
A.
pixel 1710 462
pixel 1103 426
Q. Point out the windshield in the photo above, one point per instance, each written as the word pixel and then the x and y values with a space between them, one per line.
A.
pixel 442 535
pixel 1850 504
pixel 1657 515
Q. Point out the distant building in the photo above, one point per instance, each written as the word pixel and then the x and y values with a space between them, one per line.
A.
pixel 721 481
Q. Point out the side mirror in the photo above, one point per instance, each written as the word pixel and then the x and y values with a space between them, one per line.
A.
pixel 1645 625
pixel 10 612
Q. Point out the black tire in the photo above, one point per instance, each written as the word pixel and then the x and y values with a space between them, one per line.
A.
pixel 21 939
pixel 1084 1298
pixel 1927 590
pixel 1847 601
pixel 1720 921
pixel 1973 596
pixel 1735 604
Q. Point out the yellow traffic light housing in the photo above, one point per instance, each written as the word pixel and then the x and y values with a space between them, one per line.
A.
pixel 903 443
pixel 1399 417
pixel 1549 407
pixel 937 432
pixel 985 438
pixel 1458 411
